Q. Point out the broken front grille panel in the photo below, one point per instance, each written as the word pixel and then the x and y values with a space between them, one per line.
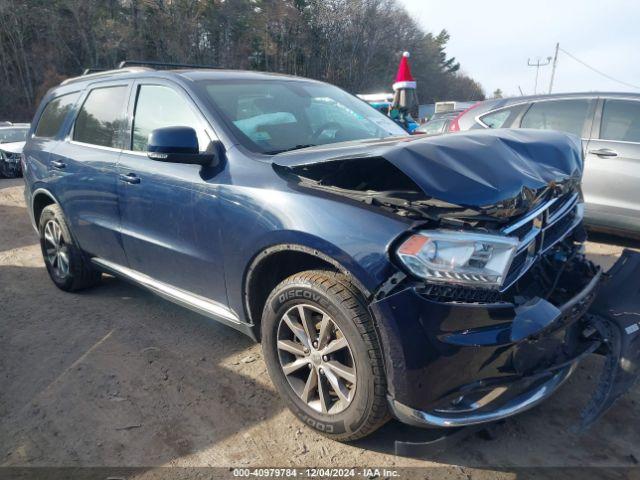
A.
pixel 540 230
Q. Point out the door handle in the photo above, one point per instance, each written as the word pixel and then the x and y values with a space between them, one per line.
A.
pixel 129 178
pixel 604 152
pixel 58 164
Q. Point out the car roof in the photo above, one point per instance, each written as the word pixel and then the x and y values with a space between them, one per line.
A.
pixel 189 74
pixel 15 125
pixel 551 96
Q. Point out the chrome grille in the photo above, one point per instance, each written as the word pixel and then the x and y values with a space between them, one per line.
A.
pixel 540 230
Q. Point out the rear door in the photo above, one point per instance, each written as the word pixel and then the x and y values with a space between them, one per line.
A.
pixel 612 165
pixel 170 219
pixel 86 163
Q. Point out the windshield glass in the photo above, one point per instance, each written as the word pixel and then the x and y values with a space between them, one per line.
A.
pixel 8 135
pixel 272 117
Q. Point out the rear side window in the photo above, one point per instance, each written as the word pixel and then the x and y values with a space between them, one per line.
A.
pixel 54 114
pixel 621 121
pixel 497 119
pixel 100 119
pixel 564 115
pixel 158 107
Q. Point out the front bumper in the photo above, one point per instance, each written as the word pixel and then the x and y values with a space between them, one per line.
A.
pixel 442 373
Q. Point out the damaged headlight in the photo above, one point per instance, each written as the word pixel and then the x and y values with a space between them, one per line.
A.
pixel 461 258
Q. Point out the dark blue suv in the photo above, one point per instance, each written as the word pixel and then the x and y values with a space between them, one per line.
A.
pixel 439 279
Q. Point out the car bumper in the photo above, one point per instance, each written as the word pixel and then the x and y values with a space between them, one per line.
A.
pixel 459 364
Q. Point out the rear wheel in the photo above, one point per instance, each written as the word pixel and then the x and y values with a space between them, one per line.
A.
pixel 65 262
pixel 323 355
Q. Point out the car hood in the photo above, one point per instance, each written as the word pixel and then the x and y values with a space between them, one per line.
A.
pixel 12 147
pixel 498 172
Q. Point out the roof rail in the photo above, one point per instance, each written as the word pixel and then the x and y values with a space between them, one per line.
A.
pixel 142 63
pixel 97 73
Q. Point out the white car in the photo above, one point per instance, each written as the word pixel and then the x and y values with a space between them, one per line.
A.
pixel 12 139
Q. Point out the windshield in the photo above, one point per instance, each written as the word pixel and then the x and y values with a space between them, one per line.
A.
pixel 8 135
pixel 272 117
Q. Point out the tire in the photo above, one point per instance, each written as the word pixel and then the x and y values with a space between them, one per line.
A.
pixel 66 264
pixel 361 407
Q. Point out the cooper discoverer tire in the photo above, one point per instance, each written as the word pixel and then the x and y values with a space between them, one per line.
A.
pixel 316 328
pixel 65 262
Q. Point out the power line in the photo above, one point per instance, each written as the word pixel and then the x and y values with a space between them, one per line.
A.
pixel 598 71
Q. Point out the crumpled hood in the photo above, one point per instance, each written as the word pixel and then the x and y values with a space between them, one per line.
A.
pixel 12 147
pixel 479 169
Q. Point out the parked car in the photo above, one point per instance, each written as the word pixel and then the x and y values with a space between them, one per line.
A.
pixel 441 279
pixel 12 138
pixel 438 124
pixel 609 125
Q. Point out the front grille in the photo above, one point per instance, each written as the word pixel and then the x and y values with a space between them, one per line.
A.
pixel 539 230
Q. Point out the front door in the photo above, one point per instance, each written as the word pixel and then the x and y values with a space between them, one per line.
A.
pixel 611 180
pixel 170 220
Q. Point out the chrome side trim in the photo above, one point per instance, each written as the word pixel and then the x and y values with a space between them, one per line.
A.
pixel 519 404
pixel 194 302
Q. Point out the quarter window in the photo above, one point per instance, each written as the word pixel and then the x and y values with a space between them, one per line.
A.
pixel 564 115
pixel 158 107
pixel 54 114
pixel 100 119
pixel 621 121
pixel 497 119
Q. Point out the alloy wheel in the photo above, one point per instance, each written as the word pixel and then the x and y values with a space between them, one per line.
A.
pixel 56 250
pixel 316 359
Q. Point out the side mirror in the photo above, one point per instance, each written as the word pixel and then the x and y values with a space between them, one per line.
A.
pixel 177 145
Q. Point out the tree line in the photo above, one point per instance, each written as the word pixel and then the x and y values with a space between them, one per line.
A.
pixel 355 44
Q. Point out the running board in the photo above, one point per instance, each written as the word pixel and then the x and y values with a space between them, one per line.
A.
pixel 196 303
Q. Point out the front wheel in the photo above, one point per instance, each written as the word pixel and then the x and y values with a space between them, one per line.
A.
pixel 323 355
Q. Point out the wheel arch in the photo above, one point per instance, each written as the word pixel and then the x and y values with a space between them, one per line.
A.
pixel 275 263
pixel 40 199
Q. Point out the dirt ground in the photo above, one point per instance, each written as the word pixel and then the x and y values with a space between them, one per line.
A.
pixel 115 376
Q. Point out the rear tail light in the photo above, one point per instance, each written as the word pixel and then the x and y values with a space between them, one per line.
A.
pixel 454 126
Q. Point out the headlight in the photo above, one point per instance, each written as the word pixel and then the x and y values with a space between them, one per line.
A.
pixel 458 257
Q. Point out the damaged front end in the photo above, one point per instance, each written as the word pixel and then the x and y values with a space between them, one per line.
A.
pixel 472 345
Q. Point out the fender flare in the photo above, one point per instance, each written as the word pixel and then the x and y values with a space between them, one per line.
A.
pixel 293 247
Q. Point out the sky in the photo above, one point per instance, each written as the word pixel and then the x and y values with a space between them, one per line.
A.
pixel 493 40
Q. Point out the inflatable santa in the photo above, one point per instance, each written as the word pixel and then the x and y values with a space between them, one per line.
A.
pixel 405 98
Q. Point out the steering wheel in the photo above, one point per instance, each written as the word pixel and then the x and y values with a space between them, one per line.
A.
pixel 325 126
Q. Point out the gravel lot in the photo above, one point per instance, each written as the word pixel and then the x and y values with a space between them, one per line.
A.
pixel 115 376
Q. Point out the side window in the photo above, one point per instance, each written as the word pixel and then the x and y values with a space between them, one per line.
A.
pixel 157 107
pixel 497 119
pixel 100 119
pixel 564 115
pixel 54 114
pixel 620 121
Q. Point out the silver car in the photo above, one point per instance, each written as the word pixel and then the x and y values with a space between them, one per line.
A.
pixel 609 125
pixel 12 140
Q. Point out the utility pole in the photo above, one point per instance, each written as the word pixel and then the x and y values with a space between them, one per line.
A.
pixel 538 64
pixel 553 68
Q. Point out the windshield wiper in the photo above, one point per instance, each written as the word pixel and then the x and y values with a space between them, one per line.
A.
pixel 297 147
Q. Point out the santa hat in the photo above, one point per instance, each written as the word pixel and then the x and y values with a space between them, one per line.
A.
pixel 403 77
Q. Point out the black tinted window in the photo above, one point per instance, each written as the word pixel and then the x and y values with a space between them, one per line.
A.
pixel 564 115
pixel 159 107
pixel 621 121
pixel 54 114
pixel 100 118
